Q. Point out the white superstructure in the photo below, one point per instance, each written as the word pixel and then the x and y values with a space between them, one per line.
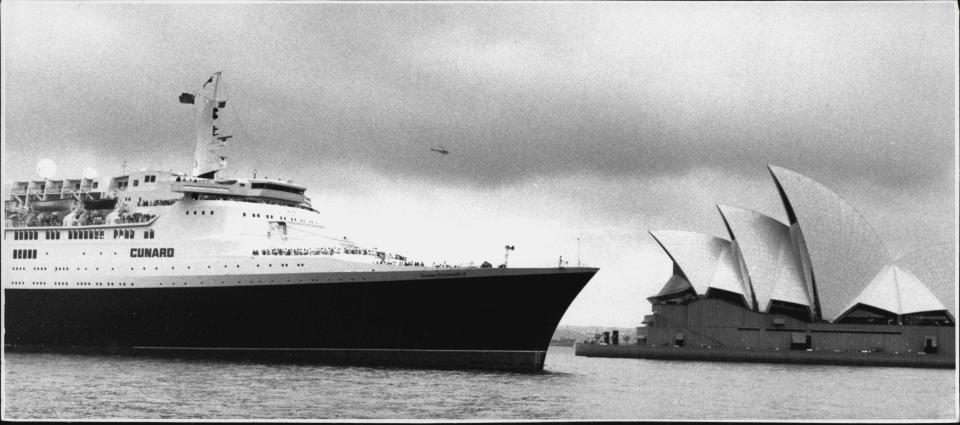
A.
pixel 160 228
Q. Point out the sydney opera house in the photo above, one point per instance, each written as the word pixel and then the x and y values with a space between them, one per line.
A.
pixel 824 281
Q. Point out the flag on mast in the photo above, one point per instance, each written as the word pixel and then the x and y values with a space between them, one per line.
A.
pixel 209 80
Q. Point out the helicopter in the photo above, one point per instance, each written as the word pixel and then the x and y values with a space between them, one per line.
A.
pixel 440 150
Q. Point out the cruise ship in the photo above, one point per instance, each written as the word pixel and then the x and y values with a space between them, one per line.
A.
pixel 164 263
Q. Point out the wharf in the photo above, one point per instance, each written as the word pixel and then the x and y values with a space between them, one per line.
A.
pixel 850 358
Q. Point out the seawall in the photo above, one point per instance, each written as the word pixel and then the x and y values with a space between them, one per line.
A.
pixel 850 358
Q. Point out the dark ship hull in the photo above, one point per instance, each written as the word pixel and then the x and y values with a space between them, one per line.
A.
pixel 500 322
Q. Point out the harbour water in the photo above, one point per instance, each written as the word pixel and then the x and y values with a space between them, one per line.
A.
pixel 59 386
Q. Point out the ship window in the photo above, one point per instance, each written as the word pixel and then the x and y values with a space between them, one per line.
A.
pixel 194 213
pixel 187 212
pixel 95 184
pixel 136 183
pixel 203 213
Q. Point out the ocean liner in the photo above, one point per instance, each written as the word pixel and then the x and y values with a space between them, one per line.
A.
pixel 161 263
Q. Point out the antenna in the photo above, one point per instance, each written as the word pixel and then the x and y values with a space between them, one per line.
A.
pixel 578 251
pixel 506 253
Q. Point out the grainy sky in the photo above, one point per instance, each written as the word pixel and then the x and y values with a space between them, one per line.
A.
pixel 564 120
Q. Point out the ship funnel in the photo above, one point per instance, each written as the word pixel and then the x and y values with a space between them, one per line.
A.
pixel 208 156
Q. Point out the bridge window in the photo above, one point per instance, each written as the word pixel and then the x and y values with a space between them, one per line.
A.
pixel 136 183
pixel 277 187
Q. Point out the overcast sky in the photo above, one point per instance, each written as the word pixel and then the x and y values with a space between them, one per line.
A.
pixel 563 120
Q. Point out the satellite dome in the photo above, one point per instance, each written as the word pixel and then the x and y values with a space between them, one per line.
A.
pixel 46 168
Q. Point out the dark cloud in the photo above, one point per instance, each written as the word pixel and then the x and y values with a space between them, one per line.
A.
pixel 512 90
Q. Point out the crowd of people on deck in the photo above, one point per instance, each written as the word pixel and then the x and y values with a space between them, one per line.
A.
pixel 156 202
pixel 385 258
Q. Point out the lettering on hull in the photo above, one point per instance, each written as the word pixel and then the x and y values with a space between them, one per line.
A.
pixel 151 252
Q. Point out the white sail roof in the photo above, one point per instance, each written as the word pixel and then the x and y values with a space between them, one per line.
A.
pixel 771 261
pixel 843 250
pixel 726 275
pixel 898 291
pixel 788 285
pixel 695 253
pixel 935 266
pixel 707 261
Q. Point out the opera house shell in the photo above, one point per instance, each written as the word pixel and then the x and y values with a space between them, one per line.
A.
pixel 825 267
